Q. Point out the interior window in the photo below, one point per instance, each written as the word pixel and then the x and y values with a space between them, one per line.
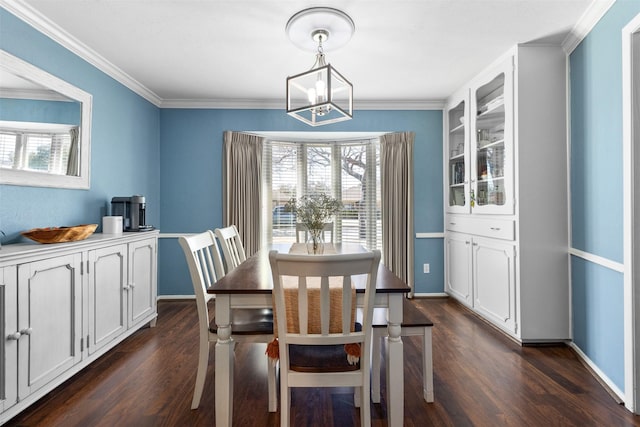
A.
pixel 347 170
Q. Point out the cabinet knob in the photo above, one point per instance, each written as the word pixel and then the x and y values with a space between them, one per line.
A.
pixel 467 242
pixel 452 223
pixel 475 244
pixel 126 287
pixel 26 331
pixel 495 228
pixel 133 285
pixel 14 336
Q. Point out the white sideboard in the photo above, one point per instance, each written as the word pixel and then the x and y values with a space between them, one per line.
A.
pixel 506 220
pixel 64 305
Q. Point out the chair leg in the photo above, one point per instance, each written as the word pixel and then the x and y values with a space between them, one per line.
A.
pixel 271 381
pixel 285 403
pixel 203 363
pixel 375 364
pixel 365 406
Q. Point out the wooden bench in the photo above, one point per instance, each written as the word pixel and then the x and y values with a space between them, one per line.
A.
pixel 414 323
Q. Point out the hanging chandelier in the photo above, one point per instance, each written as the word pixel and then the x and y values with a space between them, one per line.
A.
pixel 320 95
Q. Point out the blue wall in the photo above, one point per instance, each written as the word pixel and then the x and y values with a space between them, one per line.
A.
pixel 191 179
pixel 125 151
pixel 28 110
pixel 596 189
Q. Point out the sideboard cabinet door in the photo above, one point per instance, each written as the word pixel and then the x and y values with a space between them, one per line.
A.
pixel 142 280
pixel 49 320
pixel 107 295
pixel 9 342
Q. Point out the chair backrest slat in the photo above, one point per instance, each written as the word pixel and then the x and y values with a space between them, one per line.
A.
pixel 232 247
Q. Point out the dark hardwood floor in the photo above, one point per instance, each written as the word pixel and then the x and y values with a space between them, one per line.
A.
pixel 481 378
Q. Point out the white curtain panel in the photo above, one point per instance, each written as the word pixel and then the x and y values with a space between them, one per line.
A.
pixel 396 180
pixel 242 186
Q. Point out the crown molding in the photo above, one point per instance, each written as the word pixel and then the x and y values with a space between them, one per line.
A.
pixel 585 24
pixel 278 104
pixel 44 25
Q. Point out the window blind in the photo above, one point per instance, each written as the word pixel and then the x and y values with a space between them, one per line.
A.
pixel 346 170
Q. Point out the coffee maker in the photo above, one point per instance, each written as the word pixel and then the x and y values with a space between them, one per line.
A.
pixel 132 210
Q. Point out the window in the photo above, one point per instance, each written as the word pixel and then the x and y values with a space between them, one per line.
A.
pixel 347 170
pixel 36 150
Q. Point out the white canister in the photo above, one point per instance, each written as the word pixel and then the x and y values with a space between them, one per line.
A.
pixel 112 224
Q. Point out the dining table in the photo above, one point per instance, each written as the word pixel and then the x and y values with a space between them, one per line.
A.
pixel 250 285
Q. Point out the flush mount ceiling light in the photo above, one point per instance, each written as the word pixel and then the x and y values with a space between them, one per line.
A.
pixel 321 95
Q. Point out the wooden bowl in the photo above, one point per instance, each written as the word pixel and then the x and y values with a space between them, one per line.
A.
pixel 60 234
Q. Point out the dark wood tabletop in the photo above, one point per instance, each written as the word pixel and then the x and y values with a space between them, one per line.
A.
pixel 253 276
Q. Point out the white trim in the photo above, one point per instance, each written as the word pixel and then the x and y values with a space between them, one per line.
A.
pixel 597 371
pixel 277 104
pixel 431 295
pixel 631 305
pixel 596 259
pixel 47 27
pixel 173 235
pixel 429 235
pixel 585 24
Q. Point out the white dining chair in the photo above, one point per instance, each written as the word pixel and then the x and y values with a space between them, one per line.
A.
pixel 232 247
pixel 251 325
pixel 312 353
pixel 302 230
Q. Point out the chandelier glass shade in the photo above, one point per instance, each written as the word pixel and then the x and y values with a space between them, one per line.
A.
pixel 320 95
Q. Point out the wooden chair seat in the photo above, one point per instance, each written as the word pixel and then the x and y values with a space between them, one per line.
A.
pixel 414 323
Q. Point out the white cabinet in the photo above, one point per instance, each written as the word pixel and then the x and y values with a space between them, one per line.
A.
pixel 506 209
pixel 10 335
pixel 63 305
pixel 141 289
pixel 49 320
pixel 458 277
pixel 493 267
pixel 106 303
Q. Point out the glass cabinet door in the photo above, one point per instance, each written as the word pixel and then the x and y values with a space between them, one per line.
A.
pixel 457 157
pixel 492 175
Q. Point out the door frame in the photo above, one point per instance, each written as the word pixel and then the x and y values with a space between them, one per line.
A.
pixel 631 212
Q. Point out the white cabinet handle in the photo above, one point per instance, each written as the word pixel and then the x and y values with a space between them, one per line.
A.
pixel 26 331
pixel 14 336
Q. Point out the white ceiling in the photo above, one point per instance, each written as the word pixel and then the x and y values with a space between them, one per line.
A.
pixel 226 52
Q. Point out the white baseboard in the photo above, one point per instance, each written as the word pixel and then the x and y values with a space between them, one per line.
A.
pixel 430 295
pixel 174 297
pixel 600 376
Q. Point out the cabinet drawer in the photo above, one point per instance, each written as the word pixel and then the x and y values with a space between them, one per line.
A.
pixel 496 228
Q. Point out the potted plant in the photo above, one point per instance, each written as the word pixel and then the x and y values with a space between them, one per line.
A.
pixel 314 210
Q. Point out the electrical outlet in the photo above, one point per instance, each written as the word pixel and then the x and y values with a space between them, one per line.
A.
pixel 425 268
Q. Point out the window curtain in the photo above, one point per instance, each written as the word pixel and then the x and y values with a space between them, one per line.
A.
pixel 396 180
pixel 242 190
pixel 73 162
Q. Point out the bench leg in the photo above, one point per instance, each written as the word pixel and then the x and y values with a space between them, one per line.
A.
pixel 427 366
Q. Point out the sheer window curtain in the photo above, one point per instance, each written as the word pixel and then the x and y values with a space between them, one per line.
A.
pixel 242 187
pixel 396 180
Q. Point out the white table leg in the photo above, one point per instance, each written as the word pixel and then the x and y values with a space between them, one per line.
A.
pixel 225 359
pixel 395 363
pixel 375 364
